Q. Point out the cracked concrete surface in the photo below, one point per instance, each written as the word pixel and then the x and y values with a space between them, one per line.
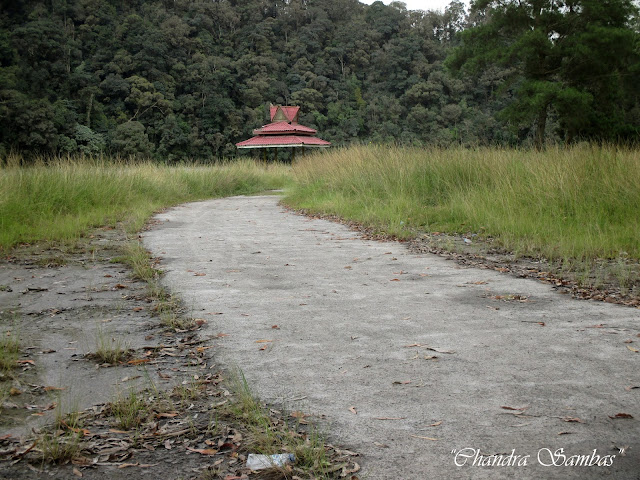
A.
pixel 407 358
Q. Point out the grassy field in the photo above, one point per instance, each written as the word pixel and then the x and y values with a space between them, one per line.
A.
pixel 580 203
pixel 64 199
pixel 577 207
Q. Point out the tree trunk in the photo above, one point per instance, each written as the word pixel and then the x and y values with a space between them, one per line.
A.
pixel 541 125
pixel 89 107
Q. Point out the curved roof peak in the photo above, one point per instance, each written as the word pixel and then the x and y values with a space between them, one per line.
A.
pixel 281 113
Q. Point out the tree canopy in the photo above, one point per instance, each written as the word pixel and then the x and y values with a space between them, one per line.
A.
pixel 575 58
pixel 189 78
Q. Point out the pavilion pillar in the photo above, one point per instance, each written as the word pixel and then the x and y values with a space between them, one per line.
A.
pixel 275 158
pixel 293 155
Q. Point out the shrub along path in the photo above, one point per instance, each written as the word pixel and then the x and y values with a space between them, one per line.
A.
pixel 416 363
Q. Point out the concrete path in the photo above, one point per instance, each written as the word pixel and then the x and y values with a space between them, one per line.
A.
pixel 409 359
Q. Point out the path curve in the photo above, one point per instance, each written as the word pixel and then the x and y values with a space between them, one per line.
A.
pixel 348 311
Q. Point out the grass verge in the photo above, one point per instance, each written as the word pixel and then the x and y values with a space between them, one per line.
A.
pixel 573 206
pixel 268 436
pixel 63 199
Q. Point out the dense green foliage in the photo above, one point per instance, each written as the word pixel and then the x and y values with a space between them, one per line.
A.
pixel 189 78
pixel 578 202
pixel 577 59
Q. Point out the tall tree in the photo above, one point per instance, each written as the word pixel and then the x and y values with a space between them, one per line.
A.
pixel 567 56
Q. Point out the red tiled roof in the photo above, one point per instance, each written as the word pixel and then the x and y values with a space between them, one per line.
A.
pixel 283 141
pixel 284 127
pixel 289 112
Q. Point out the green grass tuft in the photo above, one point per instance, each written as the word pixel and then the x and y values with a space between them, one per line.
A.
pixel 129 411
pixel 9 351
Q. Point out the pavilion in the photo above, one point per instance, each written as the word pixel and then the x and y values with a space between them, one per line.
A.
pixel 284 131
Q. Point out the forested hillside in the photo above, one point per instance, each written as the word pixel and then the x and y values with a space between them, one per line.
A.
pixel 177 79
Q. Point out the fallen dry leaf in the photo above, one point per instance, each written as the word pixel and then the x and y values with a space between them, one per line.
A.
pixel 198 274
pixel 84 431
pixel 437 424
pixel 631 387
pixel 203 451
pixel 263 341
pixel 264 347
pixel 167 415
pixel 621 415
pixel 514 408
pixel 22 362
pixel 353 410
pixel 300 416
pixel 433 349
pixel 634 350
pixel 424 438
pixel 439 350
pixel 390 418
pixel 138 361
pixel 76 472
pixel 403 382
pixel 565 433
pixel 346 471
pixel 49 389
pixel 572 420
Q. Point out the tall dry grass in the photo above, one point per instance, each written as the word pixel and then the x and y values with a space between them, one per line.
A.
pixel 580 202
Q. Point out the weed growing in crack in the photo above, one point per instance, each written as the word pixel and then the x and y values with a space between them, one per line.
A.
pixel 137 257
pixel 175 321
pixel 129 411
pixel 110 349
pixel 9 351
pixel 60 446
pixel 266 436
pixel 187 392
